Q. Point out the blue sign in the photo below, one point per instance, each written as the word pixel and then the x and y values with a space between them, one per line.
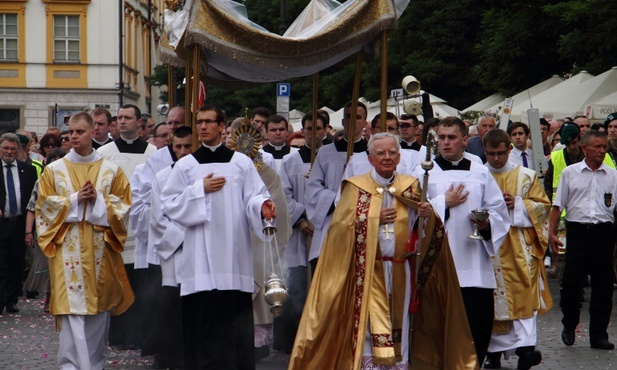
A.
pixel 283 89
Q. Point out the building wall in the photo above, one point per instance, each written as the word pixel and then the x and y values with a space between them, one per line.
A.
pixel 32 86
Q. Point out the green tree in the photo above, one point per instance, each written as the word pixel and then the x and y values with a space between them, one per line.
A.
pixel 516 47
pixel 587 33
pixel 439 37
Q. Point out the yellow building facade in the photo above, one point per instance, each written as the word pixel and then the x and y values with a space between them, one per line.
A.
pixel 58 57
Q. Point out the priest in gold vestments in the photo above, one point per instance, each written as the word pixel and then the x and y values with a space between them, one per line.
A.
pixel 81 217
pixel 357 315
pixel 522 289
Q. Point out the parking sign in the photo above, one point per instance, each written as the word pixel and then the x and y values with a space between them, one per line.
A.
pixel 283 89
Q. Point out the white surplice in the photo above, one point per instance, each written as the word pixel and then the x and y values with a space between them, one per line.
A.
pixel 165 236
pixel 126 161
pixel 138 219
pixel 471 257
pixel 321 189
pixel 293 172
pixel 217 252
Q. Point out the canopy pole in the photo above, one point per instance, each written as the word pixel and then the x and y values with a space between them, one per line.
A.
pixel 309 273
pixel 191 91
pixel 314 114
pixel 384 80
pixel 353 111
pixel 171 86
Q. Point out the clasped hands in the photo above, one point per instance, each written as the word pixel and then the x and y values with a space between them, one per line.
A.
pixel 87 192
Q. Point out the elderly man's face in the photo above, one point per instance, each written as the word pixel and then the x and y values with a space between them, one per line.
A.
pixel 486 123
pixel 385 156
pixel 8 151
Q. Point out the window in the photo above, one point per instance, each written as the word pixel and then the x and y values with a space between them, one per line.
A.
pixel 8 37
pixel 66 38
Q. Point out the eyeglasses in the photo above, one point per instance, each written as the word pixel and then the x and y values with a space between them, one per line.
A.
pixel 496 154
pixel 50 145
pixel 65 138
pixel 162 135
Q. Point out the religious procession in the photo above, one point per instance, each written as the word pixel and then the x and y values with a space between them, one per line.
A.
pixel 373 237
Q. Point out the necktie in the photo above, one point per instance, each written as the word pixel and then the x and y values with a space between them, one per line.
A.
pixel 11 187
pixel 525 164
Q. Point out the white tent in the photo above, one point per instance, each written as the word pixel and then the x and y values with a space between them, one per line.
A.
pixel 519 109
pixel 524 96
pixel 295 119
pixel 599 109
pixel 560 101
pixel 493 102
pixel 484 104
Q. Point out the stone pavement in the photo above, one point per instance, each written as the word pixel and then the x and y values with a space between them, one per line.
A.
pixel 28 341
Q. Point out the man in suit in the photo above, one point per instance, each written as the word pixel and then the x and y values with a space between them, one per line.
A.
pixel 474 144
pixel 16 185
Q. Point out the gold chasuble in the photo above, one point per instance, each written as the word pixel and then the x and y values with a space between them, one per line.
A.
pixel 519 267
pixel 86 270
pixel 348 292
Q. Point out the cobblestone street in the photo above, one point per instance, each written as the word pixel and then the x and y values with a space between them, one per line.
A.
pixel 28 341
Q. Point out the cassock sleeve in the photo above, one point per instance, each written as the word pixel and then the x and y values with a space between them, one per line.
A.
pixel 165 235
pixel 318 198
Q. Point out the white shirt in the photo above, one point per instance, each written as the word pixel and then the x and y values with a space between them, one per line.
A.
pixel 6 212
pixel 585 193
pixel 516 157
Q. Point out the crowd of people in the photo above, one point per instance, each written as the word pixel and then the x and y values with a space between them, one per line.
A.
pixel 141 240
